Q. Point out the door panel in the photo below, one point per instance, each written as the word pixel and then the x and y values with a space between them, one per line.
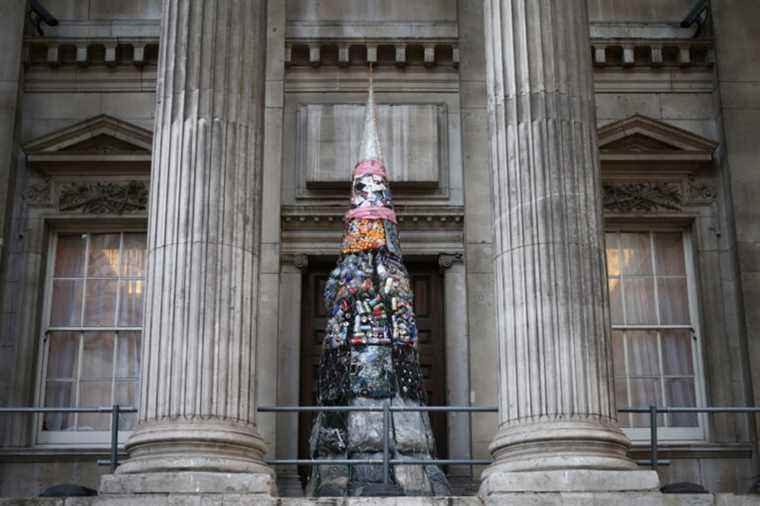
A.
pixel 427 283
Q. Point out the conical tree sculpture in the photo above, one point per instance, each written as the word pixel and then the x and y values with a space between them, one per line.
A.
pixel 369 354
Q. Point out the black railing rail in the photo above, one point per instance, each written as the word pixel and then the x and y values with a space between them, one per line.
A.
pixel 653 411
pixel 386 409
pixel 115 411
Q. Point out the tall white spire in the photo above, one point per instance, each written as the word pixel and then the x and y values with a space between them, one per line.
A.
pixel 370 147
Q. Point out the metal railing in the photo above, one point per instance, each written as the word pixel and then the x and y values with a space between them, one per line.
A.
pixel 386 409
pixel 115 411
pixel 653 411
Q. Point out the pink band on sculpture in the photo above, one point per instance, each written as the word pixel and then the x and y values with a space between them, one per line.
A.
pixel 373 167
pixel 371 213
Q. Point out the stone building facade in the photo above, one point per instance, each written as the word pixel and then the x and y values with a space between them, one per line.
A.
pixel 486 111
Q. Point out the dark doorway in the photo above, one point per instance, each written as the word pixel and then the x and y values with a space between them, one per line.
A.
pixel 427 283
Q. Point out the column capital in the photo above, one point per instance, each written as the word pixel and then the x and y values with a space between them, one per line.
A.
pixel 447 260
pixel 298 260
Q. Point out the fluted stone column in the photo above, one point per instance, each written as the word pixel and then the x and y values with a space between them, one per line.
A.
pixel 197 399
pixel 557 422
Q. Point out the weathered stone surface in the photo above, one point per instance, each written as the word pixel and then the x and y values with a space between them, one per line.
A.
pixel 191 482
pixel 197 403
pixel 521 499
pixel 556 401
pixel 331 134
pixel 581 480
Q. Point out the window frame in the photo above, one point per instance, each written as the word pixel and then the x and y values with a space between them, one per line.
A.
pixel 76 438
pixel 673 435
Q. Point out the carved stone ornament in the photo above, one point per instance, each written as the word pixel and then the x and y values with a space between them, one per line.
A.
pixel 298 260
pixel 701 191
pixel 104 198
pixel 38 193
pixel 641 197
pixel 446 260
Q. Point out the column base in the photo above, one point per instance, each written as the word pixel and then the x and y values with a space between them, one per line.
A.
pixel 188 482
pixel 569 455
pixel 215 446
pixel 204 456
pixel 497 482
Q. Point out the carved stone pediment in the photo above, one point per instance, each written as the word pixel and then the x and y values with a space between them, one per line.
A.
pixel 100 145
pixel 638 143
pixel 640 138
pixel 104 143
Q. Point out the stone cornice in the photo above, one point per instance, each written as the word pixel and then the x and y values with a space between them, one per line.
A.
pixel 313 217
pixel 85 51
pixel 358 50
pixel 648 52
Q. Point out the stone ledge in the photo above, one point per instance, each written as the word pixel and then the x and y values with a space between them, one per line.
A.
pixel 533 499
pixel 195 482
pixel 499 483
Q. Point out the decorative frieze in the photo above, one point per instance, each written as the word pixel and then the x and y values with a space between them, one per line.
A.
pixel 413 217
pixel 104 198
pixel 39 194
pixel 701 191
pixel 646 197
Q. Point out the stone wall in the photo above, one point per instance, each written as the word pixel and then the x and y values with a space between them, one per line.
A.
pixel 431 55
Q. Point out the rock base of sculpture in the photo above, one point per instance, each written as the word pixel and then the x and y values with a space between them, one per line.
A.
pixel 359 435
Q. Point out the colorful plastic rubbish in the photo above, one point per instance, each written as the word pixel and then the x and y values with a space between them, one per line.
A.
pixel 369 353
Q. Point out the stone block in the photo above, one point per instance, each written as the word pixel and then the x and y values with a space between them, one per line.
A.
pixel 362 10
pixel 706 128
pixel 641 10
pixel 737 39
pixel 32 501
pixel 498 482
pixel 695 106
pixel 118 9
pixel 188 482
pixel 131 500
pixel 414 138
pixel 624 105
pixel 129 106
pixel 749 256
pixel 740 95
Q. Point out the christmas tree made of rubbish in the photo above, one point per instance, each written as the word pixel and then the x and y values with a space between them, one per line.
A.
pixel 369 354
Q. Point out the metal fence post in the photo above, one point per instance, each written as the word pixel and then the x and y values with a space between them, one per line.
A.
pixel 653 429
pixel 114 437
pixel 386 443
